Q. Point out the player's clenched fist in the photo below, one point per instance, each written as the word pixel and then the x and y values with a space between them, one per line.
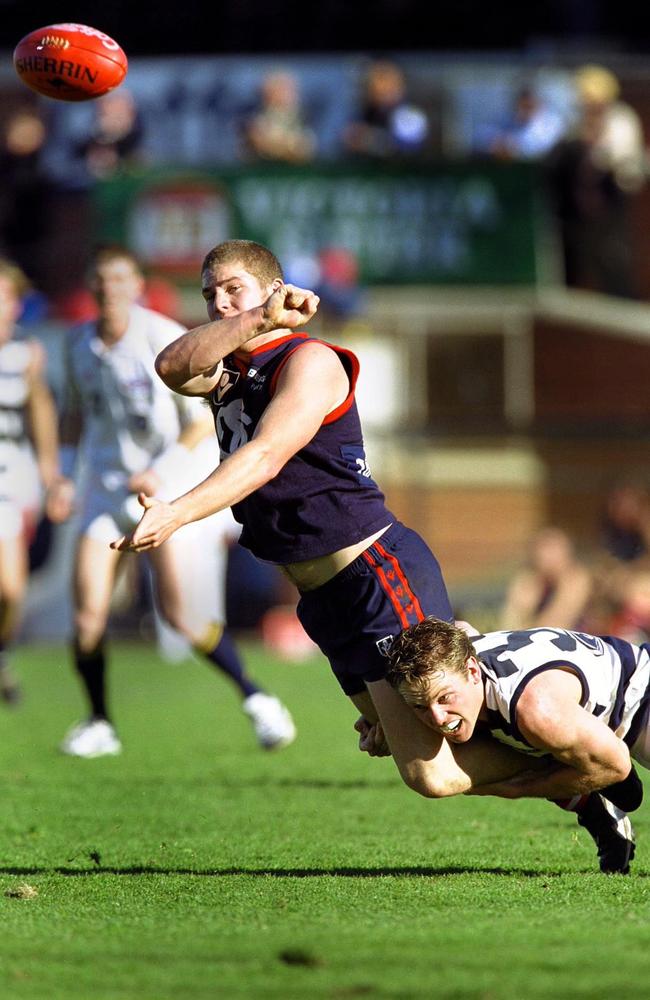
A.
pixel 159 521
pixel 290 306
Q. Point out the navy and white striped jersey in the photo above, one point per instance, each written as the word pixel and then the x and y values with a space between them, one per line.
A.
pixel 15 359
pixel 20 486
pixel 615 677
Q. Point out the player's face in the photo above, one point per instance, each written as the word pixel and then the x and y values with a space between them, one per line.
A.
pixel 452 704
pixel 229 289
pixel 116 283
pixel 9 307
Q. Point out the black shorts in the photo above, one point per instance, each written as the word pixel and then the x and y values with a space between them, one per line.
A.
pixel 353 617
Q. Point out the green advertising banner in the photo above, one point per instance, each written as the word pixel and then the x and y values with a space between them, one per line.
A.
pixel 466 223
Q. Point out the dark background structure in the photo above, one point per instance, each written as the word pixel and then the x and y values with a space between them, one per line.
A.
pixel 239 26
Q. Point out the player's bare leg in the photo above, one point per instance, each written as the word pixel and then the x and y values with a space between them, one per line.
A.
pixel 13 584
pixel 176 576
pixel 95 572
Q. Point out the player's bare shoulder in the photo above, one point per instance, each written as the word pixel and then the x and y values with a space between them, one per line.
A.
pixel 314 360
pixel 316 373
pixel 319 353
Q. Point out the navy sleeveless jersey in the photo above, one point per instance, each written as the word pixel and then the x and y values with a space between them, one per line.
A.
pixel 324 498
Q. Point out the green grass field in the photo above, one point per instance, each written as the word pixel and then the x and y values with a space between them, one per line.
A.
pixel 197 866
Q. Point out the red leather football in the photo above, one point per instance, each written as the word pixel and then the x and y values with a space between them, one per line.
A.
pixel 70 62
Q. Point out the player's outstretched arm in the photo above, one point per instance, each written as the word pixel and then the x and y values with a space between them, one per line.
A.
pixel 191 364
pixel 426 760
pixel 588 755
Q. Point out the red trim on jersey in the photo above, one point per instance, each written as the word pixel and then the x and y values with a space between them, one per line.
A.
pixel 270 345
pixel 406 585
pixel 354 364
pixel 354 375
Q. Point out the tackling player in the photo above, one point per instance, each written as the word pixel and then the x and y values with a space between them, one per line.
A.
pixel 28 457
pixel 135 434
pixel 578 702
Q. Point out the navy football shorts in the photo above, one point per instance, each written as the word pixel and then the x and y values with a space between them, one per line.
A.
pixel 354 616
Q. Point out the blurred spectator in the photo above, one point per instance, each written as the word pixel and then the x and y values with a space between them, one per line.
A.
pixel 553 588
pixel 529 130
pixel 631 619
pixel 115 142
pixel 25 193
pixel 340 292
pixel 388 123
pixel 276 128
pixel 333 273
pixel 626 521
pixel 623 569
pixel 593 172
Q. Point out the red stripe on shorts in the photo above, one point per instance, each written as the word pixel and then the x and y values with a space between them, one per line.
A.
pixel 398 602
pixel 395 601
pixel 411 598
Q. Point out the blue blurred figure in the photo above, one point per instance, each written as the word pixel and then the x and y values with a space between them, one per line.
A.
pixel 528 131
pixel 388 123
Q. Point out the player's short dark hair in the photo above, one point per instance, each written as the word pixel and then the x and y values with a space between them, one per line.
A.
pixel 258 260
pixel 430 647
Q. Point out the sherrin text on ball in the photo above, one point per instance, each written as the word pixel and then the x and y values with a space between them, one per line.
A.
pixel 70 62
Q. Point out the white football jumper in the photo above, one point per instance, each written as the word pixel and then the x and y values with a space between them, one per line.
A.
pixel 130 418
pixel 614 674
pixel 20 488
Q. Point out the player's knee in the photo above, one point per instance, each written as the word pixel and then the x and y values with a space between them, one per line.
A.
pixel 89 629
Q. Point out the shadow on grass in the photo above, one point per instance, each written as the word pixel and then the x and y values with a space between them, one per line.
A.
pixel 349 783
pixel 405 872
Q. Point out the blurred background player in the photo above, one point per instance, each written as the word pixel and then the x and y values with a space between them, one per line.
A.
pixel 135 435
pixel 28 457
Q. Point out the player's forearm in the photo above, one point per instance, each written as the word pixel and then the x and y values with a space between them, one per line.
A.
pixel 557 783
pixel 200 350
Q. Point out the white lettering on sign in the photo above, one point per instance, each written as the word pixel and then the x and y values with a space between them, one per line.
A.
pixel 390 225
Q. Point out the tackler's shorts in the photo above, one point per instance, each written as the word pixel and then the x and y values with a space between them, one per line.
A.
pixel 354 617
pixel 21 497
